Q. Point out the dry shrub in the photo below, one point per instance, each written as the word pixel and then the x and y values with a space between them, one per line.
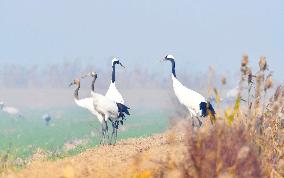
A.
pixel 217 150
pixel 222 150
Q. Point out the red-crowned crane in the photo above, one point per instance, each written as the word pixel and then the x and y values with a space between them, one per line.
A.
pixel 112 92
pixel 193 101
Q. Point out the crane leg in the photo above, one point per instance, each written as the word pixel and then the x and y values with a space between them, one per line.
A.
pixel 102 134
pixel 191 117
pixel 106 130
pixel 200 123
pixel 114 132
pixel 113 128
pixel 192 120
pixel 115 135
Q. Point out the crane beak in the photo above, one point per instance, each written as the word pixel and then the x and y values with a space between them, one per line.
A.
pixel 121 65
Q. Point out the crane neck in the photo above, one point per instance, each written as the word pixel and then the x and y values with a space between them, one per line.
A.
pixel 113 73
pixel 93 84
pixel 173 67
pixel 76 93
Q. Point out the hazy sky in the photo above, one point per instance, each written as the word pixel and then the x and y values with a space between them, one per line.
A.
pixel 197 33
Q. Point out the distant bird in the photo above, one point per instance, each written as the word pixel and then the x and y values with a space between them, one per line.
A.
pixel 88 104
pixel 110 110
pixel 10 110
pixel 112 92
pixel 47 118
pixel 233 93
pixel 193 101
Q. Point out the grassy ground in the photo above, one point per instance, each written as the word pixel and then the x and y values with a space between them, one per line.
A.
pixel 106 161
pixel 71 131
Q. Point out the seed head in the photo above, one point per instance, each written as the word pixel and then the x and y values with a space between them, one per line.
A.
pixel 262 63
pixel 245 60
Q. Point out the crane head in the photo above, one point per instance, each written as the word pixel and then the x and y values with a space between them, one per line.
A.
pixel 168 57
pixel 75 82
pixel 116 61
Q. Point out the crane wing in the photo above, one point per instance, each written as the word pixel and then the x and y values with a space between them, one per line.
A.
pixel 191 99
pixel 104 104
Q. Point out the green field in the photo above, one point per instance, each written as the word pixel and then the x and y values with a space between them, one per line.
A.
pixel 23 136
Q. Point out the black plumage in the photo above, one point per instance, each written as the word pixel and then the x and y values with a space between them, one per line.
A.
pixel 206 108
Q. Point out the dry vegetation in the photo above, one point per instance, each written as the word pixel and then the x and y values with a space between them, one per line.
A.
pixel 245 141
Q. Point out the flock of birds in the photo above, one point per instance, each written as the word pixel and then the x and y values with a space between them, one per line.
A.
pixel 110 107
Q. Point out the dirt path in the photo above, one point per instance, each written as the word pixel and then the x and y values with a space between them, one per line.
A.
pixel 121 160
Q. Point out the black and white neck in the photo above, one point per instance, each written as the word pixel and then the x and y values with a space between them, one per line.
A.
pixel 93 83
pixel 114 62
pixel 172 60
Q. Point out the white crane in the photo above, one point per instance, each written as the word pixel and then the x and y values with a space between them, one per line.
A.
pixel 10 110
pixel 193 101
pixel 87 103
pixel 110 110
pixel 112 92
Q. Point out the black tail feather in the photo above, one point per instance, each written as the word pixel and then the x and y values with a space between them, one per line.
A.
pixel 206 108
pixel 122 109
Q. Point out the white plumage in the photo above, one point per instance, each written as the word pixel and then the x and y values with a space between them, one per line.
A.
pixel 105 106
pixel 108 109
pixel 112 92
pixel 192 100
pixel 86 103
pixel 102 108
pixel 9 110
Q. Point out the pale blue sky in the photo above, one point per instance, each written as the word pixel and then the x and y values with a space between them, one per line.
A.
pixel 197 33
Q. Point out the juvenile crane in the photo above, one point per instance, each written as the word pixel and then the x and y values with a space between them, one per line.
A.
pixel 110 110
pixel 87 103
pixel 193 101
